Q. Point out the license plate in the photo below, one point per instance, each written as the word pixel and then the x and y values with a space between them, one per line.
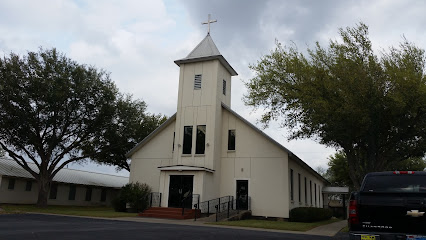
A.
pixel 368 237
pixel 416 237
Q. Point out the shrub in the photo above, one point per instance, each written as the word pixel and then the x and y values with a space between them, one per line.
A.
pixel 309 214
pixel 134 194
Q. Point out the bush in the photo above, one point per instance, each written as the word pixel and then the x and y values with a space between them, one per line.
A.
pixel 134 194
pixel 309 214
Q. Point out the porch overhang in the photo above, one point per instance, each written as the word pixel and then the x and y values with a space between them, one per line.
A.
pixel 181 168
pixel 335 190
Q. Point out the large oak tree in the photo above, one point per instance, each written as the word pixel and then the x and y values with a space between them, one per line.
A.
pixel 54 111
pixel 131 124
pixel 371 106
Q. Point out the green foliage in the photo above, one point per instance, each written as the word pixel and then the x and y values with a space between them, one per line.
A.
pixel 309 214
pixel 372 107
pixel 338 172
pixel 134 194
pixel 54 111
pixel 131 124
pixel 51 106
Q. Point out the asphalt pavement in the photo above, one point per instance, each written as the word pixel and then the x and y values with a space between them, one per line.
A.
pixel 39 226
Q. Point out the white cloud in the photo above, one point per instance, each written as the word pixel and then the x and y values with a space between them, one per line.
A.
pixel 137 41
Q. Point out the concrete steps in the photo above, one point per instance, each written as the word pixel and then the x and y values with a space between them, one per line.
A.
pixel 169 213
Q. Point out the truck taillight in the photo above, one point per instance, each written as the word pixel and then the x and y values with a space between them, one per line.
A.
pixel 353 212
pixel 403 172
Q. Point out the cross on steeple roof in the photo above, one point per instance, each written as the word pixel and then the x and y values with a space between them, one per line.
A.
pixel 208 23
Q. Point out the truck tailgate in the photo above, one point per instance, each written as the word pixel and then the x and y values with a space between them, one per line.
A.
pixel 393 212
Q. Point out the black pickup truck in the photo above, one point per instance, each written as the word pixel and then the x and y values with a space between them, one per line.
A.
pixel 389 205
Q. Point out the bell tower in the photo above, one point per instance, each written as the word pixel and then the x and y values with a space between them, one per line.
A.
pixel 204 85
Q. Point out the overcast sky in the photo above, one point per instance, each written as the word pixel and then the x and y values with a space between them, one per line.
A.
pixel 137 41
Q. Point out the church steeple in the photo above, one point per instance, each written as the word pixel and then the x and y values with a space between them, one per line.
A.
pixel 204 85
pixel 206 50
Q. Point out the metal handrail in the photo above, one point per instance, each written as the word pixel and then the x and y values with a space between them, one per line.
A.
pixel 192 197
pixel 155 196
pixel 230 207
pixel 210 204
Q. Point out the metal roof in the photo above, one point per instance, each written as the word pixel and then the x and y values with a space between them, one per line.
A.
pixel 8 167
pixel 204 51
pixel 336 190
pixel 205 48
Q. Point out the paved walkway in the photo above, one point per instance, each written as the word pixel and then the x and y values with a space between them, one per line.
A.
pixel 329 229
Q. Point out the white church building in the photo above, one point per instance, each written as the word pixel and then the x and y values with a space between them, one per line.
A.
pixel 208 150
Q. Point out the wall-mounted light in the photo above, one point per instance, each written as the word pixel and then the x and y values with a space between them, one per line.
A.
pixel 179 145
pixel 207 144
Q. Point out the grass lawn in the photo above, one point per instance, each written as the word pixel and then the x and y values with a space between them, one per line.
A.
pixel 345 229
pixel 106 212
pixel 278 225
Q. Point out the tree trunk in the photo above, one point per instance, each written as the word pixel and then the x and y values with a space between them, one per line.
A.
pixel 353 170
pixel 43 191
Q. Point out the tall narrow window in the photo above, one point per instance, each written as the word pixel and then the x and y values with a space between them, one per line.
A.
pixel 88 194
pixel 187 140
pixel 319 196
pixel 197 82
pixel 224 87
pixel 306 192
pixel 53 191
pixel 310 190
pixel 71 194
pixel 231 139
pixel 11 184
pixel 173 147
pixel 298 182
pixel 29 185
pixel 291 185
pixel 103 195
pixel 315 194
pixel 200 145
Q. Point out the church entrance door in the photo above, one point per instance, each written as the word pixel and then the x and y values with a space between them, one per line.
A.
pixel 242 194
pixel 180 191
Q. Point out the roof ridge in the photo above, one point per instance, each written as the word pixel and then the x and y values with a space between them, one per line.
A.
pixel 79 170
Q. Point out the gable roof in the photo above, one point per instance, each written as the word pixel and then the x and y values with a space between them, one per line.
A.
pixel 172 118
pixel 150 136
pixel 290 153
pixel 8 167
pixel 204 51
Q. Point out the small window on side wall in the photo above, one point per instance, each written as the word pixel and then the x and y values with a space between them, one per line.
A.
pixel 224 87
pixel 103 195
pixel 231 139
pixel 88 194
pixel 29 185
pixel 11 184
pixel 173 147
pixel 71 194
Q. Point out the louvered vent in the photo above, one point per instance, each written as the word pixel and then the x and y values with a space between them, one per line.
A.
pixel 197 81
